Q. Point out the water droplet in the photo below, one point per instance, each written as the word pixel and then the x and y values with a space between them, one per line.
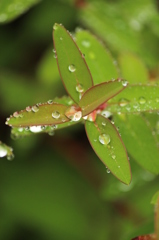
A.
pixel 16 114
pixel 136 105
pixel 104 139
pixel 35 108
pixel 55 56
pixel 56 115
pixel 20 129
pixel 79 88
pixel 113 156
pixel 55 27
pixel 50 101
pixel 106 114
pixel 43 127
pixel 157 100
pixel 118 166
pixel 3 151
pixel 108 171
pixel 28 109
pixel 104 123
pixel 95 140
pixel 71 68
pixel 124 83
pixel 73 113
pixel 35 129
pixel 27 128
pixel 10 157
pixel 86 43
pixel 51 133
pixel 61 38
pixel 123 102
pixel 142 100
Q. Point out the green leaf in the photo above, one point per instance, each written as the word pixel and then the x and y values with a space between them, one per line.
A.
pixel 19 132
pixel 101 64
pixel 140 140
pixel 6 151
pixel 136 98
pixel 133 69
pixel 155 198
pixel 108 145
pixel 39 115
pixel 10 9
pixel 98 94
pixel 72 66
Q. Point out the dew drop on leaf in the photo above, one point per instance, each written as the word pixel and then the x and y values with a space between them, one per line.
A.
pixel 123 102
pixel 124 83
pixel 103 123
pixel 73 114
pixel 56 115
pixel 3 151
pixel 71 68
pixel 28 109
pixel 50 101
pixel 55 27
pixel 142 100
pixel 10 157
pixel 35 108
pixel 35 129
pixel 79 88
pixel 108 171
pixel 104 139
pixel 113 157
pixel 86 43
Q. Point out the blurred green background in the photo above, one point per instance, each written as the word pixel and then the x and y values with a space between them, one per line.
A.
pixel 56 187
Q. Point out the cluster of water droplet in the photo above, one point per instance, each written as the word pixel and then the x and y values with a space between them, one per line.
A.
pixel 73 113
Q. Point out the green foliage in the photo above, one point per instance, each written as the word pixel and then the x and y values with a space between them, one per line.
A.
pixel 57 188
pixel 101 64
pixel 77 79
pixel 11 9
pixel 107 143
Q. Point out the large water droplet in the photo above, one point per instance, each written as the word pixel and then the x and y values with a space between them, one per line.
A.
pixel 3 151
pixel 142 100
pixel 35 129
pixel 79 88
pixel 104 139
pixel 56 115
pixel 35 108
pixel 71 68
